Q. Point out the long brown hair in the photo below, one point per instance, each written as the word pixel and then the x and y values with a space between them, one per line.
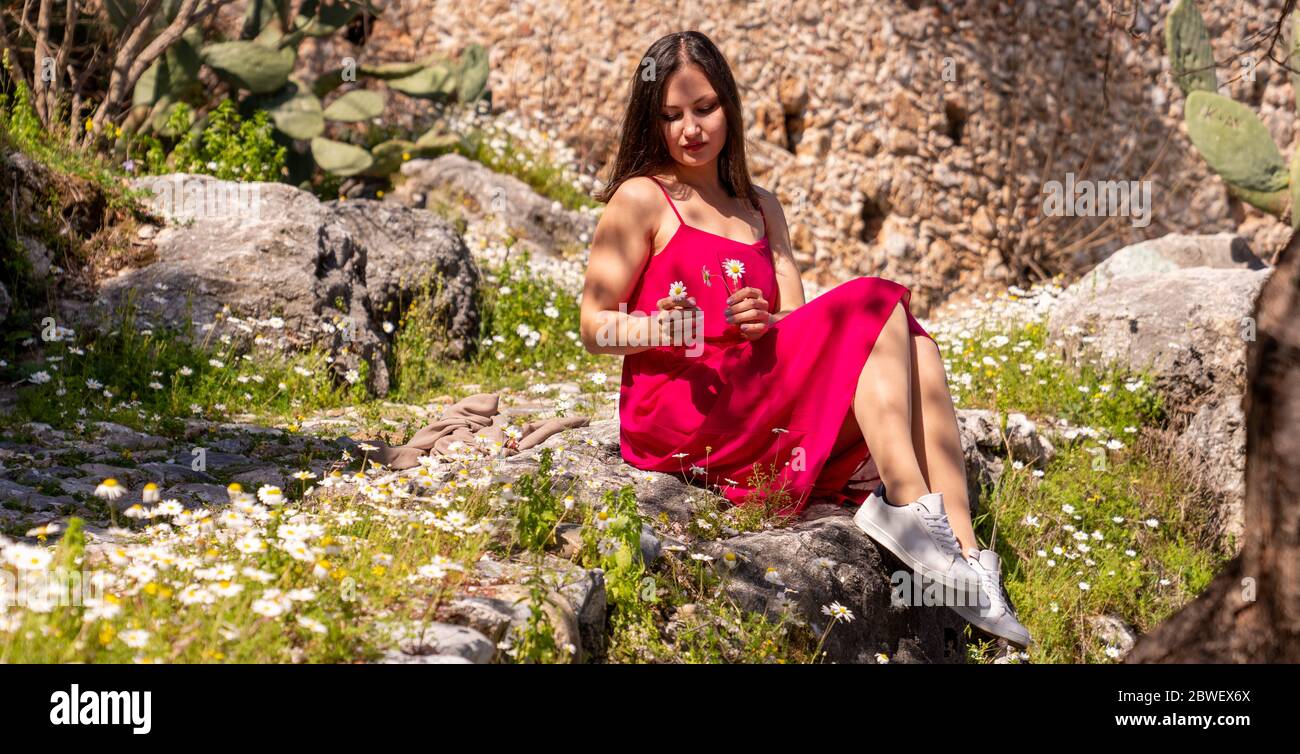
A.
pixel 641 147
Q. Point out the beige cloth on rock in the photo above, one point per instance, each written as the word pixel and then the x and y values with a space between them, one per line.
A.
pixel 463 421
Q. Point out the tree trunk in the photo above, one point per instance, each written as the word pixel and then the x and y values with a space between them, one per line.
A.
pixel 1251 611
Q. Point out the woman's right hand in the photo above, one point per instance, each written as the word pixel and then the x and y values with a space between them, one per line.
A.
pixel 678 320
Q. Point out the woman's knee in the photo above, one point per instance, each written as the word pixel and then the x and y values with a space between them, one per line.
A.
pixel 929 367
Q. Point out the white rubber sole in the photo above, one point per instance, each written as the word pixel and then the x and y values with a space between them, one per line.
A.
pixel 971 615
pixel 969 587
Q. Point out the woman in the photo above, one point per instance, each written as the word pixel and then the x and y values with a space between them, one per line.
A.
pixel 730 378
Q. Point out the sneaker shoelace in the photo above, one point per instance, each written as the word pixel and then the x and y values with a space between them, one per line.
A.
pixel 991 585
pixel 941 532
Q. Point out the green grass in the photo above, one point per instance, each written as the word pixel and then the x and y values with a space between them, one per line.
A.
pixel 512 158
pixel 1149 537
pixel 154 379
pixel 1114 475
pixel 529 336
pixel 361 566
pixel 313 579
pixel 20 129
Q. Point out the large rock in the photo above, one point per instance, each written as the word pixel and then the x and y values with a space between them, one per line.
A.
pixel 859 574
pixel 401 244
pixel 499 204
pixel 825 558
pixel 986 447
pixel 420 643
pixel 574 604
pixel 1173 252
pixel 1179 308
pixel 332 274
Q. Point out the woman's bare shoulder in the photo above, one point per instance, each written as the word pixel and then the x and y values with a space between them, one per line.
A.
pixel 636 193
pixel 634 209
pixel 770 203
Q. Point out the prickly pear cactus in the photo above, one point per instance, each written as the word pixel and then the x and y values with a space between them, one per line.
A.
pixel 1188 43
pixel 262 63
pixel 1235 142
pixel 1230 136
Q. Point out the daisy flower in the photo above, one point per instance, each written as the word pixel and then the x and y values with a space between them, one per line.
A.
pixel 677 290
pixel 734 269
pixel 268 608
pixel 270 495
pixel 109 489
pixel 250 545
pixel 837 612
pixel 27 558
pixel 194 595
pixel 227 588
pixel 151 494
pixel 135 639
pixel 44 530
pixel 312 625
pixel 706 276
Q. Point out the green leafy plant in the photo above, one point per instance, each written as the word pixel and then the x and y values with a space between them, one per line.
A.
pixel 1230 136
pixel 261 65
pixel 539 507
pixel 227 147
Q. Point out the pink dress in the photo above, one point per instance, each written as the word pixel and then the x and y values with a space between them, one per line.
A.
pixel 780 406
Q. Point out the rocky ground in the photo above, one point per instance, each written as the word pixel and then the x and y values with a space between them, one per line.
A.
pixel 47 475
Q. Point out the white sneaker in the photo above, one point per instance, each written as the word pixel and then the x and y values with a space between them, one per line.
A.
pixel 992 613
pixel 919 535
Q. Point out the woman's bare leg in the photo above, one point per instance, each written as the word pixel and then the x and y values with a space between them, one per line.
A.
pixel 882 405
pixel 936 439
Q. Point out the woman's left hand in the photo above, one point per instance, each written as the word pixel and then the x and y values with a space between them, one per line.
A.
pixel 748 309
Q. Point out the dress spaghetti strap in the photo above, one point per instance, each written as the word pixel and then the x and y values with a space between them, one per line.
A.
pixel 669 198
pixel 759 205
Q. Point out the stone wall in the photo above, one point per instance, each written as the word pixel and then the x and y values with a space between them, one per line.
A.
pixel 905 139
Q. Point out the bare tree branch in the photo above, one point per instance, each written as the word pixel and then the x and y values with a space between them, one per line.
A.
pixel 15 63
pixel 39 55
pixel 61 57
pixel 134 57
pixel 78 85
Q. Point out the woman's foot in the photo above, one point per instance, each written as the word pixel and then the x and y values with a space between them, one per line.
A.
pixel 919 535
pixel 992 612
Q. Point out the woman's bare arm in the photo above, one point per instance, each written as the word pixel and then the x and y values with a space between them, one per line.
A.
pixel 788 281
pixel 620 247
